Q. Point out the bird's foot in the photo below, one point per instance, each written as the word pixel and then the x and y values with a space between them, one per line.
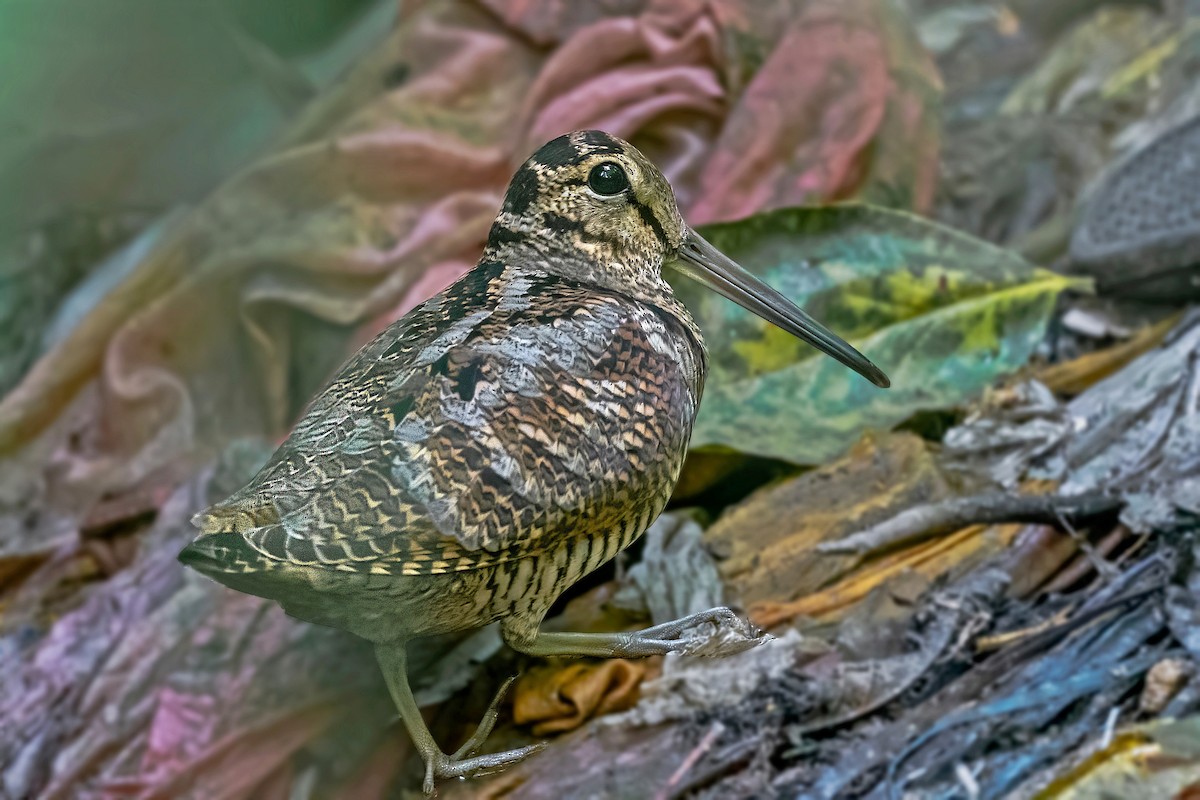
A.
pixel 715 632
pixel 441 765
pixel 484 728
pixel 464 763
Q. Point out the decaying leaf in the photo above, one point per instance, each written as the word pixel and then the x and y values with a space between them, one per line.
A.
pixel 1159 759
pixel 1163 682
pixel 1012 707
pixel 946 621
pixel 602 760
pixel 1135 434
pixel 212 690
pixel 676 576
pixel 767 545
pixel 556 698
pixel 942 313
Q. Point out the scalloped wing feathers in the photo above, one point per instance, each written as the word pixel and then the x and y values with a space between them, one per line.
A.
pixel 503 414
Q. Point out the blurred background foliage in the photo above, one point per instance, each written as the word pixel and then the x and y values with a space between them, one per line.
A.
pixel 114 111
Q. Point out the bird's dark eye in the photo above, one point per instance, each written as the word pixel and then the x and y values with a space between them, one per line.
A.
pixel 607 179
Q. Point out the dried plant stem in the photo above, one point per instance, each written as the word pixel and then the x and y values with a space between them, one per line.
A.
pixel 935 519
pixel 698 752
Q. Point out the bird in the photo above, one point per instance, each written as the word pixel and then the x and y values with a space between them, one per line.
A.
pixel 504 438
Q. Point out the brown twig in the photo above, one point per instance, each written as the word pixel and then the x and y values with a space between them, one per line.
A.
pixel 925 522
pixel 995 641
pixel 702 747
pixel 1084 564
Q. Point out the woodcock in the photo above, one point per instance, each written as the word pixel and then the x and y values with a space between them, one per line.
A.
pixel 504 438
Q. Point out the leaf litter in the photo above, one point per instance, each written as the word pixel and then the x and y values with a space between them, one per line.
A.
pixel 981 584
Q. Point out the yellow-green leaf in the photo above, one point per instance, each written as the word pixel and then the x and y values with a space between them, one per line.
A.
pixel 943 313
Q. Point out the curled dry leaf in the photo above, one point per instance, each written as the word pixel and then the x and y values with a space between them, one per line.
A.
pixel 558 698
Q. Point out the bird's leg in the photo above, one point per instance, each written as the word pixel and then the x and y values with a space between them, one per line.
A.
pixel 393 660
pixel 716 632
pixel 485 726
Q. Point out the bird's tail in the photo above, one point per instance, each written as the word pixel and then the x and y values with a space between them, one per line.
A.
pixel 221 548
pixel 234 516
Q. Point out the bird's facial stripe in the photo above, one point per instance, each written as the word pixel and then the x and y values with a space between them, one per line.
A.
pixel 559 223
pixel 647 214
pixel 502 235
pixel 562 224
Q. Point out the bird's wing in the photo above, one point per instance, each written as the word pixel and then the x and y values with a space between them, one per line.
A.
pixel 502 414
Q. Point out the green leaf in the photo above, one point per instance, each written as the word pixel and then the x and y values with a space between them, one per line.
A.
pixel 944 314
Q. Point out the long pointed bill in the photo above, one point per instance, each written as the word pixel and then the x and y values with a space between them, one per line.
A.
pixel 702 262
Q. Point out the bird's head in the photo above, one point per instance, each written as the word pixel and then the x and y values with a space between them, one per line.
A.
pixel 590 207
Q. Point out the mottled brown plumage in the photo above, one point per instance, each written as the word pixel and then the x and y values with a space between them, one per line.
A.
pixel 500 441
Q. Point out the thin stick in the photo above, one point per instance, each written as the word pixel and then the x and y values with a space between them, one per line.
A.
pixel 1110 727
pixel 994 642
pixel 703 746
pixel 925 522
pixel 1082 565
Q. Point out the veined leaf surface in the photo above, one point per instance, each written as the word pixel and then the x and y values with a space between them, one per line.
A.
pixel 942 313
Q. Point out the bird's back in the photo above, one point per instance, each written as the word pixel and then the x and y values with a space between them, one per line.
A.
pixel 511 412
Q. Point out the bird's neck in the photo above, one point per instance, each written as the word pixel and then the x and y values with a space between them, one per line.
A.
pixel 591 261
pixel 608 269
pixel 522 264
